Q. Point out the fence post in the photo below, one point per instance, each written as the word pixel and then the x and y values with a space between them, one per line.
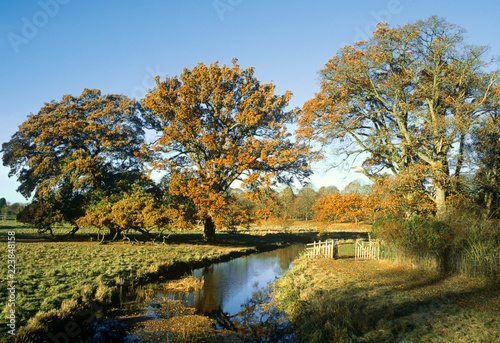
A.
pixel 369 250
pixel 328 248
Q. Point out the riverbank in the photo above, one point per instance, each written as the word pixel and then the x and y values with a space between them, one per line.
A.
pixel 61 281
pixel 213 304
pixel 210 312
pixel 56 279
pixel 378 301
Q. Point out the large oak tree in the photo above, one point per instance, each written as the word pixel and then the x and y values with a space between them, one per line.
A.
pixel 75 151
pixel 486 144
pixel 219 125
pixel 407 98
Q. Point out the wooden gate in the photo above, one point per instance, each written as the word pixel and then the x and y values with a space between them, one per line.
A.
pixel 328 248
pixel 367 250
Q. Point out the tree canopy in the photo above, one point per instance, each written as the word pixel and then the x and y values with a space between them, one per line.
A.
pixel 76 148
pixel 407 98
pixel 415 103
pixel 219 125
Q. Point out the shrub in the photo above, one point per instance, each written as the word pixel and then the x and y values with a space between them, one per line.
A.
pixel 386 229
pixel 424 236
pixel 475 250
pixel 465 244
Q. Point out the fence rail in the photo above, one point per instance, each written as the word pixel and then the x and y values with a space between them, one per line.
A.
pixel 328 248
pixel 367 250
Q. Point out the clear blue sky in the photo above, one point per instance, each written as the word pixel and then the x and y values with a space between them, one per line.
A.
pixel 49 48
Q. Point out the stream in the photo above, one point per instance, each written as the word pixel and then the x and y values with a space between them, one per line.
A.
pixel 228 290
pixel 228 285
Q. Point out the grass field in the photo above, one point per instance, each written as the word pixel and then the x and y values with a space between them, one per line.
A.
pixel 327 300
pixel 54 270
pixel 345 300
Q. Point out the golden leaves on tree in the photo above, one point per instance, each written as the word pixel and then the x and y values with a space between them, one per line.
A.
pixel 220 125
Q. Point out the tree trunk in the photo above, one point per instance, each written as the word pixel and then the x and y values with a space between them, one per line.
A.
pixel 440 202
pixel 491 192
pixel 113 233
pixel 444 261
pixel 488 203
pixel 209 230
pixel 73 230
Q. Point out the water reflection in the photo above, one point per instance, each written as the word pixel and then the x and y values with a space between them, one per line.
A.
pixel 229 285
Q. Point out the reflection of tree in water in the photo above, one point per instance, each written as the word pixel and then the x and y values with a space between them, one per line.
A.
pixel 260 319
pixel 286 256
pixel 208 294
pixel 283 256
pixel 221 282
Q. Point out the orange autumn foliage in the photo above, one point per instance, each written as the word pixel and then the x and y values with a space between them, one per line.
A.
pixel 136 210
pixel 399 196
pixel 339 208
pixel 408 96
pixel 219 125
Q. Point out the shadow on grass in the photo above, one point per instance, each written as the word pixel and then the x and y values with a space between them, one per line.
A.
pixel 370 312
pixel 28 234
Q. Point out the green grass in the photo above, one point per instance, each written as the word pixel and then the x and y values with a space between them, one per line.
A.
pixel 378 301
pixel 50 271
pixel 53 270
pixel 346 249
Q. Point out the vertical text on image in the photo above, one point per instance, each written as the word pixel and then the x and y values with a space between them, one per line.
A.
pixel 11 282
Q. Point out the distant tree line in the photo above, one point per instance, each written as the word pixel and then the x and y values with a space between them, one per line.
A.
pixel 9 211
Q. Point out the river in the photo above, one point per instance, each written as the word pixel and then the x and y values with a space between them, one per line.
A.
pixel 226 290
pixel 229 285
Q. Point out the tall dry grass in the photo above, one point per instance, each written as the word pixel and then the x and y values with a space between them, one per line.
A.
pixel 344 300
pixel 462 243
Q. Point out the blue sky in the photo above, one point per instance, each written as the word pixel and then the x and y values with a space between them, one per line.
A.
pixel 49 48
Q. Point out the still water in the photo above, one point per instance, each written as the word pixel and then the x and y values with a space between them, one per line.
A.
pixel 226 289
pixel 228 285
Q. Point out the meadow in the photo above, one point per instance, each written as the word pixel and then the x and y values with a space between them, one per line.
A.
pixel 324 299
pixel 343 300
pixel 56 275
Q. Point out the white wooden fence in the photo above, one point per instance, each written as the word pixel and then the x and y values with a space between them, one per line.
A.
pixel 367 250
pixel 328 248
